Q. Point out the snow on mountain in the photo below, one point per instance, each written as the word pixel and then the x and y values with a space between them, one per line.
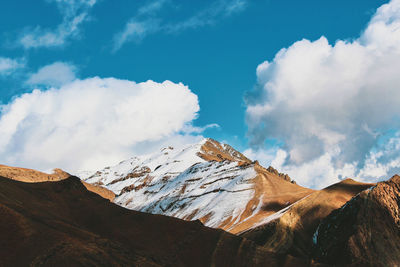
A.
pixel 208 181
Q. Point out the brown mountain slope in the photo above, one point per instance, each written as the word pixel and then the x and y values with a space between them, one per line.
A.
pixel 364 232
pixel 271 193
pixel 291 230
pixel 63 224
pixel 34 176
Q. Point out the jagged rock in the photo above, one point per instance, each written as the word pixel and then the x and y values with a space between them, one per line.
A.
pixel 284 176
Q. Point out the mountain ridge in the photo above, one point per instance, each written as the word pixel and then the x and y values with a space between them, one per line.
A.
pixel 34 176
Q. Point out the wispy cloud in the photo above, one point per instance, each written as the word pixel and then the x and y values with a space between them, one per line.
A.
pixel 135 31
pixel 152 7
pixel 147 22
pixel 74 13
pixel 9 65
pixel 53 75
pixel 208 16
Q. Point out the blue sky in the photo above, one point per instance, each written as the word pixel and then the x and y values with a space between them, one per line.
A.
pixel 213 47
pixel 217 61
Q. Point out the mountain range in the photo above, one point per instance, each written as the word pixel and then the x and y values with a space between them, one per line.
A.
pixel 204 204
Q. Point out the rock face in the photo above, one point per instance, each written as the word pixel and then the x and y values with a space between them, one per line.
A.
pixel 290 230
pixel 60 223
pixel 365 231
pixel 207 181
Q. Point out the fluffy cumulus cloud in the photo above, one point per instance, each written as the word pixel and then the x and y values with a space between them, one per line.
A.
pixel 147 20
pixel 333 106
pixel 74 13
pixel 88 124
pixel 55 75
pixel 9 65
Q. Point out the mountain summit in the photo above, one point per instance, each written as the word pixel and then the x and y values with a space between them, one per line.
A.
pixel 206 181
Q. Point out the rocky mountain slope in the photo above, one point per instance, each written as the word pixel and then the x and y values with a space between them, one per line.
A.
pixel 207 181
pixel 34 176
pixel 291 230
pixel 61 223
pixel 365 231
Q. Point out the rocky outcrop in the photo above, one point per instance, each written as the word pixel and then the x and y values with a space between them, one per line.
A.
pixel 214 150
pixel 284 176
pixel 365 231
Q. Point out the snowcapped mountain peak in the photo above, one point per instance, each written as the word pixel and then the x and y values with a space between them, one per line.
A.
pixel 207 180
pixel 169 161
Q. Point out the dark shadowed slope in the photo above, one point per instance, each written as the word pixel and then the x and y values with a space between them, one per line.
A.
pixel 365 231
pixel 291 230
pixel 62 224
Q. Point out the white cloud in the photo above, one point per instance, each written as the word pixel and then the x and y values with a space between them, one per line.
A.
pixel 264 156
pixel 9 65
pixel 146 22
pixel 87 124
pixel 54 75
pixel 383 161
pixel 74 13
pixel 329 104
pixel 188 129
